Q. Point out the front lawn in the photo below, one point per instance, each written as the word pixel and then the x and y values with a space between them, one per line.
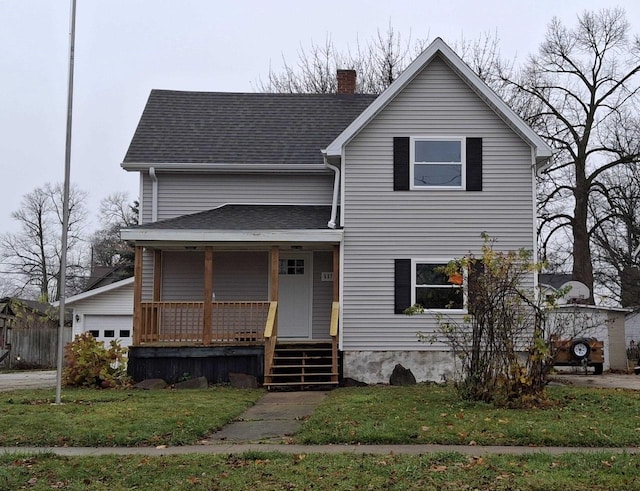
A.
pixel 276 471
pixel 419 414
pixel 433 414
pixel 118 417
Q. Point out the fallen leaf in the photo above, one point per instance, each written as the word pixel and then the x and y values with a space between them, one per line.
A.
pixel 476 460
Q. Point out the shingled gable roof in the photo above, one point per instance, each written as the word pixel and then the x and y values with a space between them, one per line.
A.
pixel 208 129
pixel 439 48
pixel 242 222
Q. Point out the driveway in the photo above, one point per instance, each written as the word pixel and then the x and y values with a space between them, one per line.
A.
pixel 37 379
pixel 606 380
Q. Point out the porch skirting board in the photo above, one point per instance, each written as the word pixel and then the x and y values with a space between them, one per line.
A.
pixel 173 364
pixel 375 367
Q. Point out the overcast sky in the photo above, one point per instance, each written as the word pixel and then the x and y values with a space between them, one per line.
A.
pixel 125 48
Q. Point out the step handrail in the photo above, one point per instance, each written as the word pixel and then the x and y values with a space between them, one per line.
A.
pixel 270 339
pixel 333 331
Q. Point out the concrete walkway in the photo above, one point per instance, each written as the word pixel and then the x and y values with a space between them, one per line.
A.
pixel 27 379
pixel 274 418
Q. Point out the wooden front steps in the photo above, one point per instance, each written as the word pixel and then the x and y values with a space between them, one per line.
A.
pixel 302 365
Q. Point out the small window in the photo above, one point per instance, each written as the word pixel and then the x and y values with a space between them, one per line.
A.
pixel 109 333
pixel 291 266
pixel 95 333
pixel 125 333
pixel 437 163
pixel 434 290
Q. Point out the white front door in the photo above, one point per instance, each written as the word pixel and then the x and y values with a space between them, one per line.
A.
pixel 294 296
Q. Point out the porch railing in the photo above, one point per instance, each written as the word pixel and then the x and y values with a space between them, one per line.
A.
pixel 183 322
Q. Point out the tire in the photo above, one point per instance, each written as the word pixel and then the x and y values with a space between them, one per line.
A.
pixel 580 349
pixel 597 368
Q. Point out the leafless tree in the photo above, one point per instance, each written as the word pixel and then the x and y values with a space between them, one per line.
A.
pixel 378 62
pixel 32 255
pixel 580 92
pixel 118 209
pixel 616 239
pixel 107 248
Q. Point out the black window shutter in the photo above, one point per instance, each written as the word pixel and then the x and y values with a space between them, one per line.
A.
pixel 476 270
pixel 401 163
pixel 402 285
pixel 474 164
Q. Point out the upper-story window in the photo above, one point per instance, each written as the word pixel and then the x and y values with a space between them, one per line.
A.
pixel 437 162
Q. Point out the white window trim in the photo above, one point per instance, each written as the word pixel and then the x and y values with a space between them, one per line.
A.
pixel 443 261
pixel 463 158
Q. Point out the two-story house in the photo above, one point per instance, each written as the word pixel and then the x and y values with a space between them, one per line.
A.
pixel 284 235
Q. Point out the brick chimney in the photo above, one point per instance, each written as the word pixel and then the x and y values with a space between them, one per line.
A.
pixel 346 81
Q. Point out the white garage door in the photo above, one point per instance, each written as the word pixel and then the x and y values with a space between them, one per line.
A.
pixel 109 327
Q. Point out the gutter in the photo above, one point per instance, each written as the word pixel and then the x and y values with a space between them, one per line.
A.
pixel 222 167
pixel 154 194
pixel 336 187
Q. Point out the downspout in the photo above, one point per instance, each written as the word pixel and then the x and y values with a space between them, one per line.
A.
pixel 336 186
pixel 534 195
pixel 154 194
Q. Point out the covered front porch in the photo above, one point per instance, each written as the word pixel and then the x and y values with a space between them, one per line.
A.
pixel 208 310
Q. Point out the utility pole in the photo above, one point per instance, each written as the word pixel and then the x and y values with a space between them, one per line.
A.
pixel 65 201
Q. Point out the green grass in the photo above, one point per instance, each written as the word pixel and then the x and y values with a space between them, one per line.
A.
pixel 275 471
pixel 419 414
pixel 433 414
pixel 118 417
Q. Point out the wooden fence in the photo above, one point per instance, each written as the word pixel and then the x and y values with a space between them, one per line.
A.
pixel 36 348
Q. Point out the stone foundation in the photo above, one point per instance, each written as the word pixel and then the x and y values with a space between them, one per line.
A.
pixel 375 367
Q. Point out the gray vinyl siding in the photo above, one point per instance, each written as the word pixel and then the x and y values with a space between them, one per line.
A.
pixel 322 294
pixel 183 194
pixel 242 275
pixel 182 276
pixel 236 276
pixel 147 275
pixel 146 199
pixel 382 225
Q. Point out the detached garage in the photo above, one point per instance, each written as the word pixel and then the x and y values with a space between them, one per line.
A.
pixel 106 312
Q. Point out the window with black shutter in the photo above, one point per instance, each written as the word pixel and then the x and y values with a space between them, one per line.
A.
pixel 421 163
